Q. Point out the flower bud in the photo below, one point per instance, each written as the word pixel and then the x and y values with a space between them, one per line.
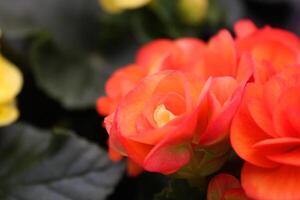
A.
pixel 192 12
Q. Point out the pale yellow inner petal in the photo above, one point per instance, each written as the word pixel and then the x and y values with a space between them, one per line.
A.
pixel 11 80
pixel 162 115
pixel 8 113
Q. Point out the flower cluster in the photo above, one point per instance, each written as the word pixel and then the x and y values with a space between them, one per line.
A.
pixel 10 85
pixel 174 109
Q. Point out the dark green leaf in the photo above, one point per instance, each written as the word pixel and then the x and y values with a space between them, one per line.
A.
pixel 75 80
pixel 38 165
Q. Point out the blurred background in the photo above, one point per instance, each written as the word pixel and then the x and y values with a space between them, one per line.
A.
pixel 66 50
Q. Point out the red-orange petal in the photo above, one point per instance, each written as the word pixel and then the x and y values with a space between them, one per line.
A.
pixel 223 88
pixel 235 194
pixel 191 48
pixel 135 150
pixel 271 183
pixel 168 159
pixel 245 69
pixel 286 38
pixel 218 127
pixel 245 132
pixel 244 28
pixel 223 44
pixel 123 80
pixel 271 93
pixel 174 151
pixel 261 115
pixel 113 140
pixel 171 100
pixel 287 108
pixel 114 155
pixel 134 102
pixel 276 52
pixel 105 106
pixel 289 39
pixel 152 55
pixel 280 150
pixel 264 70
pixel 133 169
pixel 289 158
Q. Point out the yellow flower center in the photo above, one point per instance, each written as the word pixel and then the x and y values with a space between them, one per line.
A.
pixel 162 115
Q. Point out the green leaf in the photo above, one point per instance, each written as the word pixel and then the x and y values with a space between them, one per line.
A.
pixel 36 164
pixel 74 80
pixel 179 189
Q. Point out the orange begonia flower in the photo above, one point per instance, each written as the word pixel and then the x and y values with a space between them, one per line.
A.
pixel 272 49
pixel 230 62
pixel 195 59
pixel 150 59
pixel 157 123
pixel 265 132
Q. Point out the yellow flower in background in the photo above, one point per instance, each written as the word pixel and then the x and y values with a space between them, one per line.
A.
pixel 115 6
pixel 11 82
pixel 193 12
